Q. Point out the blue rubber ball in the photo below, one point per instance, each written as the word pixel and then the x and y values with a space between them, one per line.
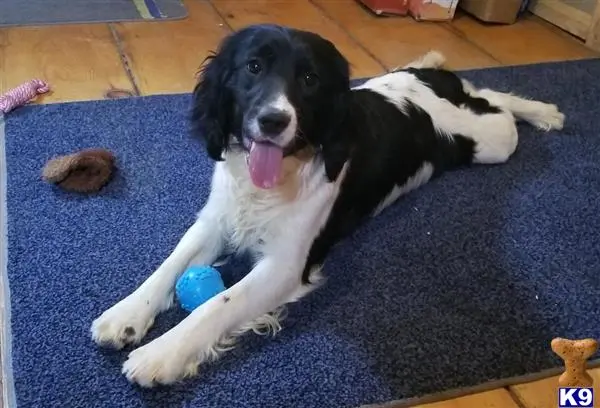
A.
pixel 197 285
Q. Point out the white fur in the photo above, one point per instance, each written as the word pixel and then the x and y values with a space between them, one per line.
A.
pixel 249 219
pixel 495 135
pixel 432 59
pixel 278 226
pixel 282 104
pixel 422 176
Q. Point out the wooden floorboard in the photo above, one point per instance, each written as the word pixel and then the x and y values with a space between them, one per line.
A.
pixel 499 398
pixel 304 15
pixel 544 393
pixel 398 40
pixel 529 41
pixel 80 62
pixel 164 57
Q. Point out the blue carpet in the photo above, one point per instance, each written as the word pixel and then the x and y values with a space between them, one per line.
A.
pixel 462 282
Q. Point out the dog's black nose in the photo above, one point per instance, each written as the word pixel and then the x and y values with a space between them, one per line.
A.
pixel 273 122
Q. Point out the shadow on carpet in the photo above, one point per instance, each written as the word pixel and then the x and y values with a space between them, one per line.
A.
pixel 462 282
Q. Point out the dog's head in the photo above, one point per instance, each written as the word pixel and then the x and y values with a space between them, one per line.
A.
pixel 271 90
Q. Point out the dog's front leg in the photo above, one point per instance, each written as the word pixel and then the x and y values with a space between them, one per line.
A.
pixel 128 321
pixel 274 281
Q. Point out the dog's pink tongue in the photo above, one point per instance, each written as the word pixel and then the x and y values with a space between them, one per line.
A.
pixel 265 164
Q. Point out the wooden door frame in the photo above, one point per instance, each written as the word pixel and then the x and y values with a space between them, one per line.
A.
pixel 592 39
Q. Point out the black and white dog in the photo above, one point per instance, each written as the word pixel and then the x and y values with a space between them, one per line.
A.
pixel 301 161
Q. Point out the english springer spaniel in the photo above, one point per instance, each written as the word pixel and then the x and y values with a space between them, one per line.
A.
pixel 302 159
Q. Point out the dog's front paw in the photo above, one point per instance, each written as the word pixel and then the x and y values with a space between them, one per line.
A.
pixel 162 361
pixel 126 322
pixel 549 118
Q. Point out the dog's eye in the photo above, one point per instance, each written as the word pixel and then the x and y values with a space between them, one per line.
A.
pixel 253 66
pixel 310 79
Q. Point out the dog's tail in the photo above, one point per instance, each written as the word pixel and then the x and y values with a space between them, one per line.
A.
pixel 433 59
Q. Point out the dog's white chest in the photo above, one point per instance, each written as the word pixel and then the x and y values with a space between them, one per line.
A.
pixel 255 220
pixel 253 217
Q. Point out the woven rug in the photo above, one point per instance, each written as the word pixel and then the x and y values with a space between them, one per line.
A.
pixel 462 283
pixel 43 12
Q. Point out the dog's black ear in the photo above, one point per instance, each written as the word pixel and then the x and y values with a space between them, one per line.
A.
pixel 335 119
pixel 336 143
pixel 212 102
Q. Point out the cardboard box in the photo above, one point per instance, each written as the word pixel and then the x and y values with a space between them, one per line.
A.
pixel 395 7
pixel 493 11
pixel 433 10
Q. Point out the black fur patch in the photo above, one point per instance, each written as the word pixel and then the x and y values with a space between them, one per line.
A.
pixel 447 85
pixel 385 147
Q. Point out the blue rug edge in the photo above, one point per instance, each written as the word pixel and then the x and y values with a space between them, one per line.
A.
pixel 353 80
pixel 6 371
pixel 476 389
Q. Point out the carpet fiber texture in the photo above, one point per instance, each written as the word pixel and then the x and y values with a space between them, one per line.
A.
pixel 42 12
pixel 462 282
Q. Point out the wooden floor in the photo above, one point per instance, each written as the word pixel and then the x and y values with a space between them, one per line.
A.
pixel 83 62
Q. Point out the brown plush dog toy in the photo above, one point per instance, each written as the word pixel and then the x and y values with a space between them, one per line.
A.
pixel 86 171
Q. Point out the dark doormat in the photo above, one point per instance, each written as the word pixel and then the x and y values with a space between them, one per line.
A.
pixel 43 12
pixel 462 283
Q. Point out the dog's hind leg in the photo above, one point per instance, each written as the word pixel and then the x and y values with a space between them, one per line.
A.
pixel 544 116
pixel 495 133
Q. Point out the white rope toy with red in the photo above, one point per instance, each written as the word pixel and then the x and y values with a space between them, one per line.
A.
pixel 22 94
